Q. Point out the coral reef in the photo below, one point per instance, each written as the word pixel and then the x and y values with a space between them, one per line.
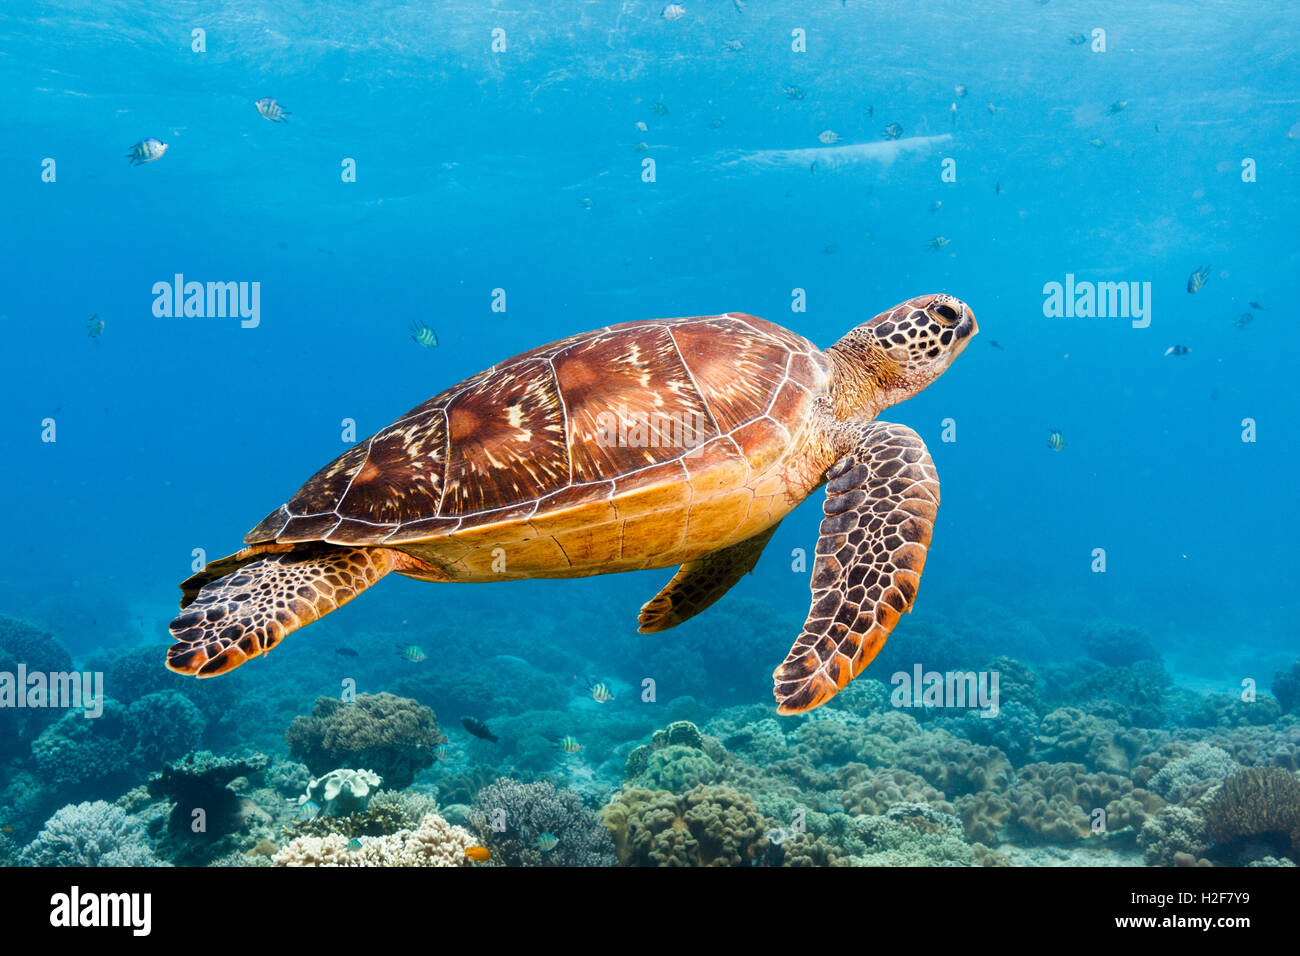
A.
pixel 1286 688
pixel 708 826
pixel 206 811
pixel 1116 644
pixel 434 843
pixel 389 735
pixel 1260 804
pixel 510 818
pixel 90 834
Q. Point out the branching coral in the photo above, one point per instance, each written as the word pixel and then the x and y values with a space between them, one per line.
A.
pixel 1184 778
pixel 510 819
pixel 434 843
pixel 912 835
pixel 1174 836
pixel 392 736
pixel 90 834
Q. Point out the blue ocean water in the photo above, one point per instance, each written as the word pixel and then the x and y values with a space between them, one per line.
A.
pixel 1165 141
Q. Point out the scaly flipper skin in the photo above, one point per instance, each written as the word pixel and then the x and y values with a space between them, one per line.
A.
pixel 699 583
pixel 881 502
pixel 248 612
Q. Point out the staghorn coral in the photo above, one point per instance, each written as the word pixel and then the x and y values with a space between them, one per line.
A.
pixel 708 826
pixel 389 735
pixel 1258 803
pixel 434 843
pixel 509 817
pixel 90 834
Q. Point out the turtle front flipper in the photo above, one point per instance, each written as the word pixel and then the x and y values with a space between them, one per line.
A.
pixel 249 611
pixel 881 502
pixel 697 584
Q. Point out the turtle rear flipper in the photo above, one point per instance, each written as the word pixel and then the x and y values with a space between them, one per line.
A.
pixel 249 611
pixel 697 584
pixel 881 502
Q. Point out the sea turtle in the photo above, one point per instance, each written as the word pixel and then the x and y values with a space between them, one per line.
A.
pixel 642 445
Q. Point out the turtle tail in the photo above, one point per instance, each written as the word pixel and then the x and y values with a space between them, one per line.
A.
pixel 244 605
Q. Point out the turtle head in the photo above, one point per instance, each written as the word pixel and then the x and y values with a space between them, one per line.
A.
pixel 898 353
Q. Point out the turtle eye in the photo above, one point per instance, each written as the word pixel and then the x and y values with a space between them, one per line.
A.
pixel 946 313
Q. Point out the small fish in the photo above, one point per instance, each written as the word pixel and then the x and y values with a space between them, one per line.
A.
pixel 479 854
pixel 478 728
pixel 952 111
pixel 1243 320
pixel 892 131
pixel 997 345
pixel 1257 307
pixel 871 111
pixel 146 151
pixel 7 829
pixel 997 189
pixel 1196 281
pixel 346 652
pixel 412 652
pixel 735 46
pixel 1157 126
pixel 308 811
pixel 936 205
pixel 643 147
pixel 1097 143
pixel 794 93
pixel 547 842
pixel 739 5
pixel 641 126
pixel 829 137
pixel 585 202
pixel 830 250
pixel 441 751
pixel 672 12
pixel 1056 441
pixel 272 110
pixel 658 109
pixel 718 123
pixel 600 692
pixel 1117 107
pixel 423 335
pixel 1078 39
pixel 960 90
pixel 353 845
pixel 95 327
pixel 568 744
pixel 812 168
pixel 991 108
pixel 937 243
pixel 1177 350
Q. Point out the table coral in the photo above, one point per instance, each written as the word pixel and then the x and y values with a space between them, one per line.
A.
pixel 342 792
